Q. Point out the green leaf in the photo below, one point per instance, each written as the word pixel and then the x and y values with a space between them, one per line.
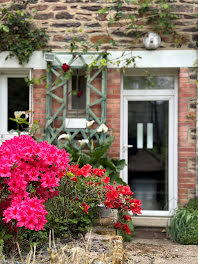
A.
pixel 120 164
pixel 74 92
pixel 115 177
pixel 165 6
pixel 5 28
pixel 112 41
pixel 101 150
pixel 107 163
pixel 102 11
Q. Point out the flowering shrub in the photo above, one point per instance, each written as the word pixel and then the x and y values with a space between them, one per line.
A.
pixel 80 192
pixel 29 175
pixel 121 198
pixel 32 173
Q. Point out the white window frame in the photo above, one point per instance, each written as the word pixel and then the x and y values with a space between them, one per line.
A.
pixel 4 134
pixel 144 95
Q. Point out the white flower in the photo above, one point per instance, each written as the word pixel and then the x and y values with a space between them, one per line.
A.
pixel 102 128
pixel 18 114
pixel 89 123
pixel 64 136
pixel 83 141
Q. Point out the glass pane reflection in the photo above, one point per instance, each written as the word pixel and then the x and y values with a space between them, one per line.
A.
pixel 148 167
pixel 144 82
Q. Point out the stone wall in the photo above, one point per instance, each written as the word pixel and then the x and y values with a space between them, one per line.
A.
pixel 60 17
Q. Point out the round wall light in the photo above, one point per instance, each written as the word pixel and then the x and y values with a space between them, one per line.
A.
pixel 152 41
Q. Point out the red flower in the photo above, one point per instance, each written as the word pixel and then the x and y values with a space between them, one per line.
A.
pixel 85 207
pixel 117 225
pixel 80 93
pixel 135 206
pixel 106 180
pixel 126 229
pixel 74 179
pixel 85 171
pixel 65 67
pixel 99 172
pixel 126 217
pixel 112 195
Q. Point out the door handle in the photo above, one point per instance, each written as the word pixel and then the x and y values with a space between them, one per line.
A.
pixel 125 147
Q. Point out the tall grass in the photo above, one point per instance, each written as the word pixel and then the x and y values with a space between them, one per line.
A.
pixel 71 254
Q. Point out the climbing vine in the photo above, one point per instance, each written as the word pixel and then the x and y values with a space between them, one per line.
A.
pixel 19 35
pixel 159 14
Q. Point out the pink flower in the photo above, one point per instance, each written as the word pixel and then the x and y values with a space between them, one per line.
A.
pixel 29 213
pixel 24 162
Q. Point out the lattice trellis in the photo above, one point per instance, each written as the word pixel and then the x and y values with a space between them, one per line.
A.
pixel 53 132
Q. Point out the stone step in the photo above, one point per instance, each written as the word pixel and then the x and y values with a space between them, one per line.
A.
pixel 104 230
pixel 150 233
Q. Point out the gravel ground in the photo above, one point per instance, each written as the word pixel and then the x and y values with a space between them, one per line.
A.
pixel 158 251
pixel 150 250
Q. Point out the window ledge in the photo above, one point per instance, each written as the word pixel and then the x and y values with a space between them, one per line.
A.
pixel 75 122
pixel 36 61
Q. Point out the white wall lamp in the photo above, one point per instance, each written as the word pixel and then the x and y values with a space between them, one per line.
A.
pixel 152 41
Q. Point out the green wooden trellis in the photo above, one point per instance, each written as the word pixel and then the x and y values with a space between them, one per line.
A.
pixel 52 132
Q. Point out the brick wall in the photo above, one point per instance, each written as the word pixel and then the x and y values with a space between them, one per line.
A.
pixel 186 134
pixel 113 109
pixel 39 101
pixel 186 122
pixel 59 16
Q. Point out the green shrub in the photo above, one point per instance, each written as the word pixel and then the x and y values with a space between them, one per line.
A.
pixel 193 203
pixel 96 155
pixel 184 226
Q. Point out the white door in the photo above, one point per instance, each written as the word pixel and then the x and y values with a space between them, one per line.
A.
pixel 149 147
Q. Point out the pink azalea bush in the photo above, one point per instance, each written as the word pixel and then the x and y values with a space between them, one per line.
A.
pixel 30 173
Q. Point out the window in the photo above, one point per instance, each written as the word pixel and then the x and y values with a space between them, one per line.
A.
pixel 148 82
pixel 14 96
pixel 77 95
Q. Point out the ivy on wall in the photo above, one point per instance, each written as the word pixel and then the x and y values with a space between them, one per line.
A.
pixel 18 34
pixel 21 37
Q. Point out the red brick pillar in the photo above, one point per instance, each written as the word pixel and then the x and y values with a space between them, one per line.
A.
pixel 113 109
pixel 186 135
pixel 39 100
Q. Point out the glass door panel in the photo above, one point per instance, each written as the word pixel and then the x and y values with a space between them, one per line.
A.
pixel 148 158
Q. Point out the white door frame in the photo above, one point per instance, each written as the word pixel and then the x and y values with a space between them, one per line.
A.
pixel 151 95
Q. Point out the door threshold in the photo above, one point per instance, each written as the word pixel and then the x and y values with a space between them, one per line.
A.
pixel 151 221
